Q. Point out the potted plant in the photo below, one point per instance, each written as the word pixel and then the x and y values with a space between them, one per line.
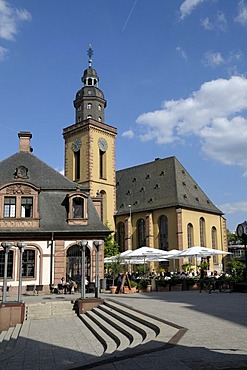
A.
pixel 175 283
pixel 144 285
pixel 162 283
pixel 192 283
pixel 116 268
pixel 133 285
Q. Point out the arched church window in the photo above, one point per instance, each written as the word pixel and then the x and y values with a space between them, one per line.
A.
pixel 202 232
pixel 214 242
pixel 141 233
pixel 120 236
pixel 89 106
pixel 163 233
pixel 190 235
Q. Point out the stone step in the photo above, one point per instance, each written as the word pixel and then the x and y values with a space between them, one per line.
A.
pixel 107 342
pixel 8 338
pixel 164 331
pixel 140 326
pixel 134 337
pixel 135 315
pixel 121 340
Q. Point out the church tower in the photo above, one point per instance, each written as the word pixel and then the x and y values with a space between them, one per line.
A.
pixel 90 144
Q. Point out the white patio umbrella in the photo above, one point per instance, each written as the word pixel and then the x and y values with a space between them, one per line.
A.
pixel 147 254
pixel 198 251
pixel 120 256
pixel 172 255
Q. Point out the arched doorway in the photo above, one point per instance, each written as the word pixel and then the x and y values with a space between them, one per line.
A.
pixel 73 264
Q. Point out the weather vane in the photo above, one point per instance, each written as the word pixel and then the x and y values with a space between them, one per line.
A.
pixel 90 54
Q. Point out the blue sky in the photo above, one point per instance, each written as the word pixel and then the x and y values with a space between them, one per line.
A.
pixel 173 73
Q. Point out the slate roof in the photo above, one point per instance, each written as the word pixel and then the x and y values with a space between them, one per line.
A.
pixel 160 184
pixel 54 188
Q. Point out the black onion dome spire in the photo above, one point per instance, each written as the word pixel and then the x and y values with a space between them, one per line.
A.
pixel 90 102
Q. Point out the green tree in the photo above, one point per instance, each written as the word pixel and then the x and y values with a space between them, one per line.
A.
pixel 111 249
pixel 232 238
pixel 110 246
pixel 236 268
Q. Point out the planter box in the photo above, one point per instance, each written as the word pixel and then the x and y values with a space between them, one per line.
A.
pixel 11 314
pixel 162 288
pixel 87 304
pixel 176 287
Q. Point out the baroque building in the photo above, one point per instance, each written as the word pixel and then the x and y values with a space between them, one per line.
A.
pixel 51 215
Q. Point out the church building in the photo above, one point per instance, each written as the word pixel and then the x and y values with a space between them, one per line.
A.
pixel 156 204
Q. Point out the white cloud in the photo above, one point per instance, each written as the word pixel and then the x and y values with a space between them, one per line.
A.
pixel 234 207
pixel 10 19
pixel 219 23
pixel 214 114
pixel 181 52
pixel 188 6
pixel 242 13
pixel 207 24
pixel 128 134
pixel 3 53
pixel 213 59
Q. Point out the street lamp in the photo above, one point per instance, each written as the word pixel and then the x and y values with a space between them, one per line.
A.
pixel 130 228
pixel 6 246
pixel 97 244
pixel 21 246
pixel 83 245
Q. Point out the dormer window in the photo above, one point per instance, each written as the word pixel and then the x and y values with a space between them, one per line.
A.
pixel 77 212
pixel 89 116
pixel 19 206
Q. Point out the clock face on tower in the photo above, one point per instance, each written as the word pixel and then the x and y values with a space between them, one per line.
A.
pixel 76 145
pixel 240 230
pixel 102 144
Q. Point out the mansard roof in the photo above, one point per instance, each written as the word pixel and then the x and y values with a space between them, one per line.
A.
pixel 52 199
pixel 159 184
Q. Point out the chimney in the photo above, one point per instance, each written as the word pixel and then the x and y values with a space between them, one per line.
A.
pixel 25 138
